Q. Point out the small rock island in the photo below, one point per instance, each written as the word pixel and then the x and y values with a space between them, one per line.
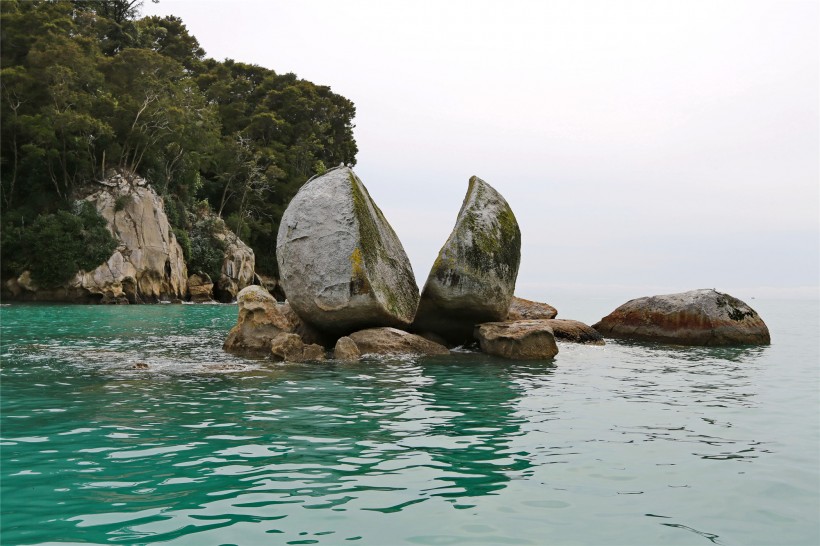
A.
pixel 350 287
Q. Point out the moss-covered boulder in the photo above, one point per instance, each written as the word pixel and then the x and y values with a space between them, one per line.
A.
pixel 698 317
pixel 473 279
pixel 340 263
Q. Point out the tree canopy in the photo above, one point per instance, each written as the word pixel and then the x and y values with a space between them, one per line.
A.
pixel 87 86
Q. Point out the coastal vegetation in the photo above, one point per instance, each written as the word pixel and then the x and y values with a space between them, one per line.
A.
pixel 89 87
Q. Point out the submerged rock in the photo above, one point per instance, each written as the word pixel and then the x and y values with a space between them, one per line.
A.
pixel 517 340
pixel 473 279
pixel 260 320
pixel 340 263
pixel 395 341
pixel 575 331
pixel 698 317
pixel 521 309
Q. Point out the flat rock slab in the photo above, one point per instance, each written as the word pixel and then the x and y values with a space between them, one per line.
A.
pixel 473 278
pixel 340 263
pixel 517 340
pixel 521 309
pixel 698 317
pixel 394 341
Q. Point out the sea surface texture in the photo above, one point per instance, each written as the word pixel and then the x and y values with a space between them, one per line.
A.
pixel 621 444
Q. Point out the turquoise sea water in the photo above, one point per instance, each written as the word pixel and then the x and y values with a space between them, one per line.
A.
pixel 620 444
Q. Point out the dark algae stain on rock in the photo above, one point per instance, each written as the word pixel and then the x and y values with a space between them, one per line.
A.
pixel 699 317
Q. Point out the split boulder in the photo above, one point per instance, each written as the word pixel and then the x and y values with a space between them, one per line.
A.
pixel 340 263
pixel 473 278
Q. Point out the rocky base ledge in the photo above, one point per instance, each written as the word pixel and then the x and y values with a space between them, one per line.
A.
pixel 268 329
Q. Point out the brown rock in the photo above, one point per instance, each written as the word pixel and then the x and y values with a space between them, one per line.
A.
pixel 260 320
pixel 291 348
pixel 394 341
pixel 575 331
pixel 521 309
pixel 287 347
pixel 313 352
pixel 518 340
pixel 346 349
pixel 201 288
pixel 698 317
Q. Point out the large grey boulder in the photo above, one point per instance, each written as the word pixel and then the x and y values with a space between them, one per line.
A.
pixel 698 317
pixel 340 263
pixel 517 340
pixel 473 279
pixel 394 341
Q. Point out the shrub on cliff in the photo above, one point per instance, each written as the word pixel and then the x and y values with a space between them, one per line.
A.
pixel 207 251
pixel 55 246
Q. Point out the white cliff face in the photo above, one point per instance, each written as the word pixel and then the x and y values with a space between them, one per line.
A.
pixel 237 266
pixel 148 265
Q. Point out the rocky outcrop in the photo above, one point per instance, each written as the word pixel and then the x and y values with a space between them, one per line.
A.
pixel 291 348
pixel 200 288
pixel 521 309
pixel 394 341
pixel 148 265
pixel 699 317
pixel 341 264
pixel 260 320
pixel 518 340
pixel 575 331
pixel 473 279
pixel 237 266
pixel 346 349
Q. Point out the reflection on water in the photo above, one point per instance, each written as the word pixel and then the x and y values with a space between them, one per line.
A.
pixel 620 444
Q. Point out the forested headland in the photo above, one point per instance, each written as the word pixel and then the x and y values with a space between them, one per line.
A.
pixel 90 88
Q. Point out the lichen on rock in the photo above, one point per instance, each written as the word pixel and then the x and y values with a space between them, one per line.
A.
pixel 340 263
pixel 473 278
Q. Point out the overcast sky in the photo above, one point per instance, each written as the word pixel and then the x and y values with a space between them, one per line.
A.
pixel 645 147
